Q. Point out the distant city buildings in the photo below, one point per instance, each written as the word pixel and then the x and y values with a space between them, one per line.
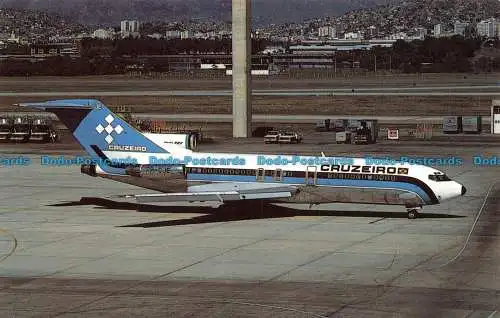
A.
pixel 421 33
pixel 487 28
pixel 438 30
pixel 353 36
pixel 173 34
pixel 129 28
pixel 104 34
pixel 459 28
pixel 373 31
pixel 398 36
pixel 329 32
pixel 190 34
pixel 156 36
pixel 352 30
pixel 185 34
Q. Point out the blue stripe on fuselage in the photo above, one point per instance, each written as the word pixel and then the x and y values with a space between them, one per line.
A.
pixel 322 182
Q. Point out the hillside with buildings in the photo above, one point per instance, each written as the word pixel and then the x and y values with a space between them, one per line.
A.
pixel 370 39
pixel 407 19
pixel 111 12
pixel 24 26
pixel 414 18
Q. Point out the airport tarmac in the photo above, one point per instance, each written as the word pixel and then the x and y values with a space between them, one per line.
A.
pixel 302 80
pixel 491 90
pixel 67 250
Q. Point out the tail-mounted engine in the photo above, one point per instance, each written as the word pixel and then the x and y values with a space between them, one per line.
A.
pixel 162 171
pixel 187 141
pixel 163 178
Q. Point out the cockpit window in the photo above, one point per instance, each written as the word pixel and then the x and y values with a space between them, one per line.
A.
pixel 439 177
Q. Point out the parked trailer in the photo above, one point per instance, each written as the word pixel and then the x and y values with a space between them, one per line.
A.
pixel 22 129
pixel 42 131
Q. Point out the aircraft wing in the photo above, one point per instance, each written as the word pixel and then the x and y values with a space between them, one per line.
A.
pixel 261 193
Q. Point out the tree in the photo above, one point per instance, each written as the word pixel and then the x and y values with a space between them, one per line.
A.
pixel 470 32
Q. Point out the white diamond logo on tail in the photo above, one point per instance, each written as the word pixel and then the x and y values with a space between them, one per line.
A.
pixel 109 129
pixel 118 129
pixel 99 128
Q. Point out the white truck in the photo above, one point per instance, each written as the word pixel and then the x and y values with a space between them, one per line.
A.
pixel 282 137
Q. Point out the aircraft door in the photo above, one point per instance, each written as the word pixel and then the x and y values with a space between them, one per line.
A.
pixel 311 175
pixel 278 175
pixel 261 174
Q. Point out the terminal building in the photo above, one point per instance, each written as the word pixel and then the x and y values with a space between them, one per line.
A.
pixel 313 54
pixel 321 47
pixel 51 49
pixel 306 55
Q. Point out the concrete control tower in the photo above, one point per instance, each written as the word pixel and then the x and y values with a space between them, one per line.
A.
pixel 242 62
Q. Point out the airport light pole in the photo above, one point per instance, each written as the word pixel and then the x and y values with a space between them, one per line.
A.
pixel 242 63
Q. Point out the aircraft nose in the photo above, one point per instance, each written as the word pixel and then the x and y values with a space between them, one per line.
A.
pixel 464 190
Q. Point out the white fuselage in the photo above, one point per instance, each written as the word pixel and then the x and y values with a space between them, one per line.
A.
pixel 322 179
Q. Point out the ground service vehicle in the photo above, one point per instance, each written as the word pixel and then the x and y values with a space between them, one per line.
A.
pixel 282 137
pixel 42 131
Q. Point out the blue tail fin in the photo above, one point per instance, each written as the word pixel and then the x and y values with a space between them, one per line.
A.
pixel 96 128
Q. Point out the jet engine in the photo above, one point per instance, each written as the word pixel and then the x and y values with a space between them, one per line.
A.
pixel 157 171
pixel 187 141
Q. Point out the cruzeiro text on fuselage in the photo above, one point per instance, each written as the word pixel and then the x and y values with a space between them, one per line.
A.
pixel 364 169
pixel 127 148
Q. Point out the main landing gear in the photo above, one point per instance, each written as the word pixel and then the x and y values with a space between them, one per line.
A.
pixel 413 213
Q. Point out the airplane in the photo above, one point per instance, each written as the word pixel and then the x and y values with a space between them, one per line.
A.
pixel 122 153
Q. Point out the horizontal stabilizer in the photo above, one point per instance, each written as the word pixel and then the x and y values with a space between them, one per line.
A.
pixel 207 196
pixel 64 103
pixel 95 126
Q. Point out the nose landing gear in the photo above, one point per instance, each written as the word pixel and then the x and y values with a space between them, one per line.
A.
pixel 413 213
